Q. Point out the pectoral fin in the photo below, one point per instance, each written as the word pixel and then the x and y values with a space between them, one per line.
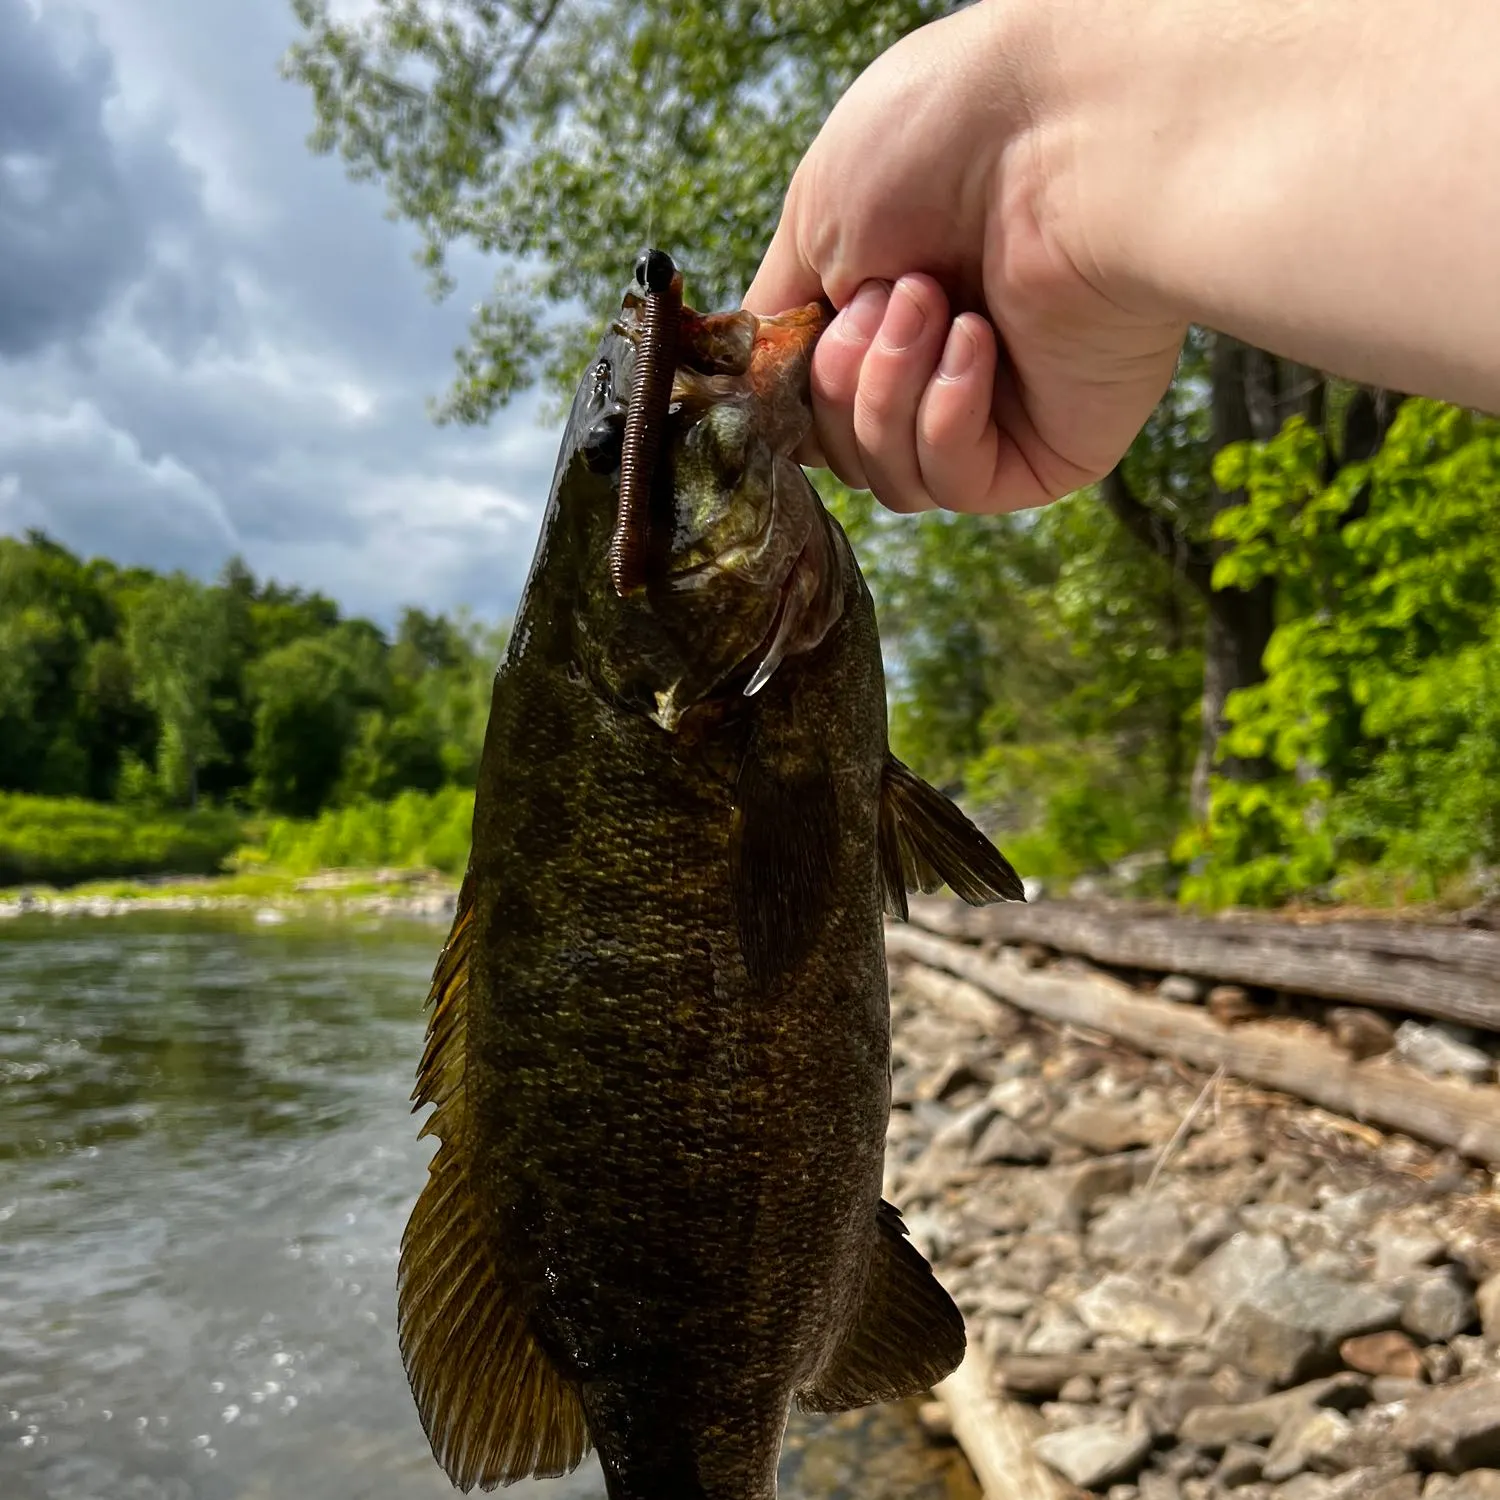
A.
pixel 907 1337
pixel 493 1406
pixel 926 842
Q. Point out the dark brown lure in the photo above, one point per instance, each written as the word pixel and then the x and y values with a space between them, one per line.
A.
pixel 657 328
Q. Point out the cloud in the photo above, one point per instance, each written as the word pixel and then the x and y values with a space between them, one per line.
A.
pixel 212 342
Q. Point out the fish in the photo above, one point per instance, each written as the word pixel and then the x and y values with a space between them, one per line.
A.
pixel 658 1046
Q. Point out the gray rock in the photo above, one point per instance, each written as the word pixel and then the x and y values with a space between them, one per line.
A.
pixel 1057 1331
pixel 1018 1098
pixel 1305 1441
pixel 1455 1428
pixel 1239 1267
pixel 1400 1487
pixel 1398 1251
pixel 1477 1484
pixel 1474 1355
pixel 1079 1389
pixel 1385 1389
pixel 1242 1464
pixel 1154 1314
pixel 1434 1048
pixel 1063 1197
pixel 960 1133
pixel 1438 1305
pixel 1286 1327
pixel 1154 1486
pixel 1137 1232
pixel 1105 1128
pixel 1488 1300
pixel 1095 1455
pixel 1305 1487
pixel 1005 1141
pixel 1212 1230
pixel 1367 1482
pixel 1183 988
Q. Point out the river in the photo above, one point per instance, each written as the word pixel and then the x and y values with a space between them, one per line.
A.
pixel 206 1162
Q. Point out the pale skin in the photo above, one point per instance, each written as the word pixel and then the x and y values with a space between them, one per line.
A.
pixel 1020 209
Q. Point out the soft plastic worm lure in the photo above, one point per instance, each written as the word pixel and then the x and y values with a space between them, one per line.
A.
pixel 658 326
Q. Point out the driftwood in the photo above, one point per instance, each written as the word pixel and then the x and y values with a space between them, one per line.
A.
pixel 1042 1376
pixel 996 1436
pixel 1449 973
pixel 1379 1091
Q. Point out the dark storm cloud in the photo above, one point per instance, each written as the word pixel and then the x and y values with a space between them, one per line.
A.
pixel 211 342
pixel 77 209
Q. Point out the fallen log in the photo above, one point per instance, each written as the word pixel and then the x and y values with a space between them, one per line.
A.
pixel 996 1436
pixel 1378 1091
pixel 1452 974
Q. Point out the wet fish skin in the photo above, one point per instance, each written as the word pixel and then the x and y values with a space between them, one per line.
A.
pixel 659 1048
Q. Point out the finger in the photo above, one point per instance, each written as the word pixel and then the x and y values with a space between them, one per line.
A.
pixel 786 278
pixel 893 377
pixel 976 446
pixel 837 362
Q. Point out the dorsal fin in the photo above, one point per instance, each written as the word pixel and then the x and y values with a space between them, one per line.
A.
pixel 493 1406
pixel 908 1334
pixel 926 842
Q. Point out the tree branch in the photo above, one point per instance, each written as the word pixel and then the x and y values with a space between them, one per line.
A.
pixel 1155 532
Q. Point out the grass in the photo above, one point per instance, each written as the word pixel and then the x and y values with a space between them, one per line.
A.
pixel 99 849
pixel 64 840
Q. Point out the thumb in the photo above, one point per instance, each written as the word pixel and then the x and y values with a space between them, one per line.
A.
pixel 786 277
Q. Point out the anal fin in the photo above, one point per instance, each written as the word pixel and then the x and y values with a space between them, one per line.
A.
pixel 492 1404
pixel 926 842
pixel 908 1334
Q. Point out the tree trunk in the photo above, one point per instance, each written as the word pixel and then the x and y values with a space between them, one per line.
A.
pixel 1253 395
pixel 1238 630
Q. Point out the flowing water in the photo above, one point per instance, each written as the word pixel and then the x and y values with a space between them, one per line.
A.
pixel 205 1164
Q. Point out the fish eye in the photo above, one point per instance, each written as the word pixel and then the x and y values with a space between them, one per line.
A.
pixel 601 443
pixel 654 270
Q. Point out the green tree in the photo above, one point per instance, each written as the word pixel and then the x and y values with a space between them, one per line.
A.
pixel 176 635
pixel 560 138
pixel 1380 712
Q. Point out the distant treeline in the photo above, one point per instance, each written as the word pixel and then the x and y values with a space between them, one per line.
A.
pixel 160 692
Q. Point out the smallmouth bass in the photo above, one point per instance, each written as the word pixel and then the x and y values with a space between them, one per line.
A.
pixel 659 1044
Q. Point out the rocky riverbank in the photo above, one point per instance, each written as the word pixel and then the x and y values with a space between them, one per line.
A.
pixel 1200 1288
pixel 266 899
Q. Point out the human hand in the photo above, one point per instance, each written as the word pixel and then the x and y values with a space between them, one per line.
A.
pixel 977 362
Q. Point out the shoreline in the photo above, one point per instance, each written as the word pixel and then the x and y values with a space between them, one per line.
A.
pixel 269 898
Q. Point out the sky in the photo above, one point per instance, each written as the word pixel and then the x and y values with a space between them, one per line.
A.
pixel 212 342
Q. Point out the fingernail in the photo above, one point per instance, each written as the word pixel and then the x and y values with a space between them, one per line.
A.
pixel 860 321
pixel 958 353
pixel 904 320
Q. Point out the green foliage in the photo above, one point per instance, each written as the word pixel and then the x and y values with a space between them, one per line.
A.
pixel 126 686
pixel 1381 707
pixel 561 138
pixel 1043 665
pixel 176 635
pixel 60 841
pixel 430 830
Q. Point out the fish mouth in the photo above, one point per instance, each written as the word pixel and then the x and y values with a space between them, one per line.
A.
pixel 723 356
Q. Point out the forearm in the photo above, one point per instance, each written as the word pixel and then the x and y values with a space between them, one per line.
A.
pixel 1317 177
